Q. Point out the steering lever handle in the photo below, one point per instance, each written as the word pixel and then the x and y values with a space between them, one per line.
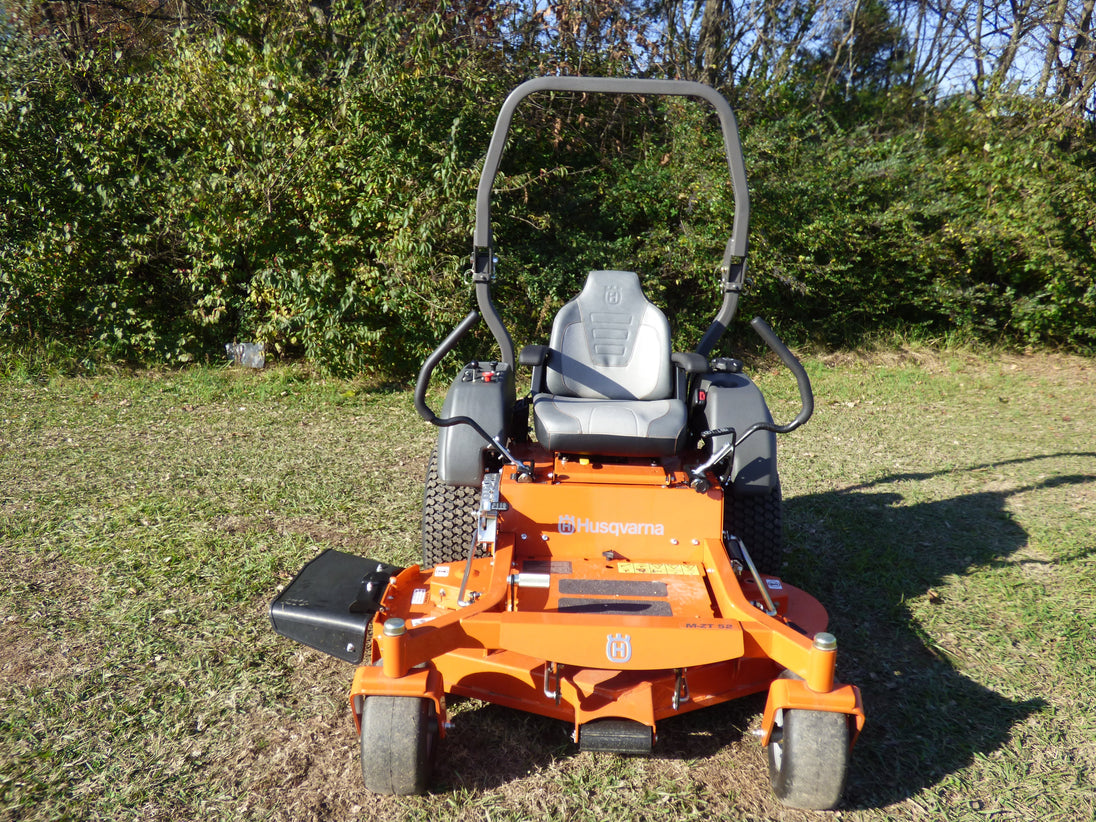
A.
pixel 806 395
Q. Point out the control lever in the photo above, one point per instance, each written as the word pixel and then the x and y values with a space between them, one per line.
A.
pixel 423 382
pixel 698 475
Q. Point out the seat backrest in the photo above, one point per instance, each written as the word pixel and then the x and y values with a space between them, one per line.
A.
pixel 610 343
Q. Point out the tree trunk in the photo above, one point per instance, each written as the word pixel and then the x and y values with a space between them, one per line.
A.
pixel 711 53
pixel 1054 43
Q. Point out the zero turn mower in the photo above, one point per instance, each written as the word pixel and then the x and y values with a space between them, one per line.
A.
pixel 614 566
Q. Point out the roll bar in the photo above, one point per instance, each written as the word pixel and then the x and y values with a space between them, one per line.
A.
pixel 733 267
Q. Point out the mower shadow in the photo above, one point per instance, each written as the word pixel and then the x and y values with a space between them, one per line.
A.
pixel 489 746
pixel 864 553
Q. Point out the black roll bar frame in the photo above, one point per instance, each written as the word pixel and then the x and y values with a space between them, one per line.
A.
pixel 733 266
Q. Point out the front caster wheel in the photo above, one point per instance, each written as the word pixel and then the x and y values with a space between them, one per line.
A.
pixel 398 743
pixel 808 758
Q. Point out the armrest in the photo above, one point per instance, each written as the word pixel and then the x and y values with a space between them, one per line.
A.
pixel 533 355
pixel 537 357
pixel 690 362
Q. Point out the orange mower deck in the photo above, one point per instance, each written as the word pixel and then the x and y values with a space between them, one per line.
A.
pixel 581 618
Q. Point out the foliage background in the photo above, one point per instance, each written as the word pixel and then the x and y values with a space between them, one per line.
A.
pixel 304 175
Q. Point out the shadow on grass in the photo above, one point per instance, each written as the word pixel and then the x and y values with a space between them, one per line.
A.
pixel 489 746
pixel 864 554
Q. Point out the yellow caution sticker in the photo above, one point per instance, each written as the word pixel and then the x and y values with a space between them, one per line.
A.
pixel 664 569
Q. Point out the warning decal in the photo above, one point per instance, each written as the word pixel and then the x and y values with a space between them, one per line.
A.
pixel 659 568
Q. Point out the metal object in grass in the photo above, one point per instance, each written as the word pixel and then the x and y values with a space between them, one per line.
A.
pixel 248 355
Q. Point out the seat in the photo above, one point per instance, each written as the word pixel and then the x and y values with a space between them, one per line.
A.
pixel 608 380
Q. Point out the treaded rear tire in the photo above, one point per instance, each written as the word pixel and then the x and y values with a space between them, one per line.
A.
pixel 448 518
pixel 757 519
pixel 399 742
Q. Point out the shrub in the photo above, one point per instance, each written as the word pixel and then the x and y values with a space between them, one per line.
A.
pixel 308 181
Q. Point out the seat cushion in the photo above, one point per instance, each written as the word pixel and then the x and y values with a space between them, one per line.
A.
pixel 611 428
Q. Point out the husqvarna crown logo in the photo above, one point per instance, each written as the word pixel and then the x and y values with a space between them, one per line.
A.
pixel 612 295
pixel 570 524
pixel 618 648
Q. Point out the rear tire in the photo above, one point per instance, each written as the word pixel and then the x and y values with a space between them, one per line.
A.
pixel 399 742
pixel 756 520
pixel 808 758
pixel 448 518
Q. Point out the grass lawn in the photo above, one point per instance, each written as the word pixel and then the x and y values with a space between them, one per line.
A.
pixel 942 505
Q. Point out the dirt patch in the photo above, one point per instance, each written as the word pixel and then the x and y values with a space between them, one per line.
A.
pixel 303 765
pixel 49 588
pixel 1067 369
pixel 298 760
pixel 302 769
pixel 1034 564
pixel 27 662
pixel 927 359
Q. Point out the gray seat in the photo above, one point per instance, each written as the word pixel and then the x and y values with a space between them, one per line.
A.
pixel 609 381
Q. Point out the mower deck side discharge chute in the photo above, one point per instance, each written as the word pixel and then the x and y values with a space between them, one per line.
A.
pixel 329 604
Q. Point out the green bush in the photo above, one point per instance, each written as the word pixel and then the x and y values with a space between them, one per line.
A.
pixel 976 225
pixel 1015 249
pixel 308 181
pixel 238 187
